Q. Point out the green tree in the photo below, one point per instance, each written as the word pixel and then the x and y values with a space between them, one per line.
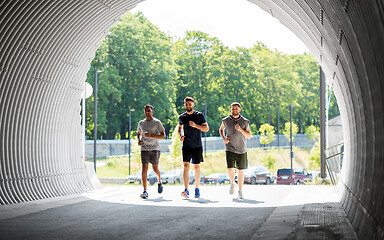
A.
pixel 312 133
pixel 138 69
pixel 267 134
pixel 287 130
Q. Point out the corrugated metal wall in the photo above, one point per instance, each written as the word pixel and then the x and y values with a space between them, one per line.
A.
pixel 46 48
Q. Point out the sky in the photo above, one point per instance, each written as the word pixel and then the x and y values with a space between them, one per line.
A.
pixel 234 22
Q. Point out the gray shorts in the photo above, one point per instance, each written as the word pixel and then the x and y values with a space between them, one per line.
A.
pixel 152 157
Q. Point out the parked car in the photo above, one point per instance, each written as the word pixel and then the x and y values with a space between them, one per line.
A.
pixel 133 178
pixel 254 175
pixel 176 176
pixel 283 176
pixel 299 176
pixel 302 175
pixel 172 176
pixel 217 178
pixel 151 177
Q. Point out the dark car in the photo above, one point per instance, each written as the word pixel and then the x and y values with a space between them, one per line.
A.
pixel 299 176
pixel 217 178
pixel 283 176
pixel 254 175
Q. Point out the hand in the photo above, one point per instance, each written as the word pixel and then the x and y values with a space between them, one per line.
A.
pixel 147 134
pixel 182 138
pixel 140 143
pixel 192 124
pixel 238 128
pixel 226 140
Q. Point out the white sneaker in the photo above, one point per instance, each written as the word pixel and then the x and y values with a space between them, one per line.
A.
pixel 232 189
pixel 241 194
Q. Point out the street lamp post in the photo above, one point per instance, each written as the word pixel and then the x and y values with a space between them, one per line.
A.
pixel 129 140
pixel 205 133
pixel 95 122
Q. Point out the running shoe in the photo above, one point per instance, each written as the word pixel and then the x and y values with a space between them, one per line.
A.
pixel 144 195
pixel 160 187
pixel 197 193
pixel 185 193
pixel 241 194
pixel 232 189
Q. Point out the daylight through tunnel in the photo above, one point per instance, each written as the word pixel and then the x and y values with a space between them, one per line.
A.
pixel 45 52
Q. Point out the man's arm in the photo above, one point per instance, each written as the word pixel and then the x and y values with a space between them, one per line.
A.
pixel 139 142
pixel 179 131
pixel 203 127
pixel 160 136
pixel 221 131
pixel 246 132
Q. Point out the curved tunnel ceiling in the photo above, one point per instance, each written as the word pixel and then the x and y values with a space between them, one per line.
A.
pixel 45 52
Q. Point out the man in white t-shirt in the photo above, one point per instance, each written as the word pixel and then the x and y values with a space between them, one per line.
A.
pixel 149 131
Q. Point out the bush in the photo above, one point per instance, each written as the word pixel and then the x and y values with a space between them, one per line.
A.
pixel 175 157
pixel 268 161
pixel 314 157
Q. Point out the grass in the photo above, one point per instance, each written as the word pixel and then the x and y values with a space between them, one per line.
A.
pixel 214 162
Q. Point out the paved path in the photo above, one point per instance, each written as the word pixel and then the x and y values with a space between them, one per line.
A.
pixel 266 212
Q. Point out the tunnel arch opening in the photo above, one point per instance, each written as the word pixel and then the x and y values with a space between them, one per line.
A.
pixel 46 49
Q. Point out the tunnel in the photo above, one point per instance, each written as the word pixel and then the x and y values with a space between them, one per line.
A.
pixel 46 48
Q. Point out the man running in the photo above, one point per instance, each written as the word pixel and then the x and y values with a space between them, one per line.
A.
pixel 237 129
pixel 192 122
pixel 149 131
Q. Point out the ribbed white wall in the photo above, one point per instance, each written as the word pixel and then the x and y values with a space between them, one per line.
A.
pixel 46 48
pixel 45 52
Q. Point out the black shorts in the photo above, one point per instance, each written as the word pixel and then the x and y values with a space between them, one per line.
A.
pixel 195 153
pixel 235 160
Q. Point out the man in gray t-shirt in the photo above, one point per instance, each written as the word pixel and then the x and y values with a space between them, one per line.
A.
pixel 237 129
pixel 149 131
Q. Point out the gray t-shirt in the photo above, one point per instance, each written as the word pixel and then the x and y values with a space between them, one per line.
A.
pixel 154 127
pixel 237 141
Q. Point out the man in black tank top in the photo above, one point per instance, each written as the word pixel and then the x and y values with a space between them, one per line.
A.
pixel 192 123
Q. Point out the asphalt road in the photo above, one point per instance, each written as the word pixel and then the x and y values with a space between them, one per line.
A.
pixel 266 212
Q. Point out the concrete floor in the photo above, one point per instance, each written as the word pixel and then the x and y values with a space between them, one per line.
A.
pixel 266 212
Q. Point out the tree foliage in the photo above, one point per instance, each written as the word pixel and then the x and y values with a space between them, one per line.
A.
pixel 144 65
pixel 267 133
pixel 312 133
pixel 287 131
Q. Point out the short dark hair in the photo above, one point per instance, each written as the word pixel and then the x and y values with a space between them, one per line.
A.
pixel 148 105
pixel 189 99
pixel 236 104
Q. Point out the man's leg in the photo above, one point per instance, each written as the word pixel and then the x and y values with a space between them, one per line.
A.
pixel 197 175
pixel 240 178
pixel 159 184
pixel 157 171
pixel 231 174
pixel 144 175
pixel 186 174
